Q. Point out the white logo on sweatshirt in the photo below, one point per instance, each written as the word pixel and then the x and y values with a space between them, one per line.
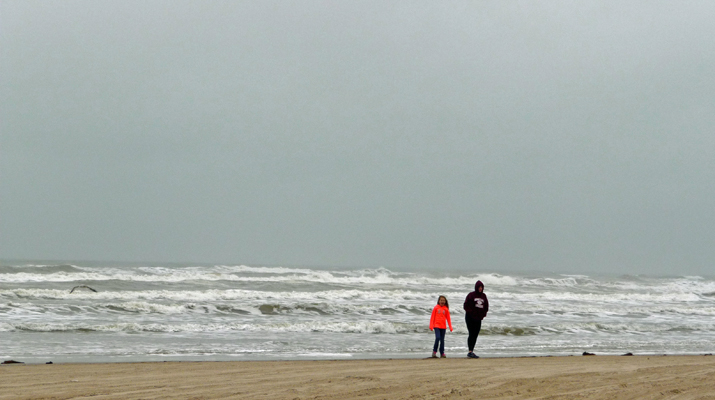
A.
pixel 479 302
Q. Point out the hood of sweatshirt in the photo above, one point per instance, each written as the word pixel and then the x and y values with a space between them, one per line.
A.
pixel 477 285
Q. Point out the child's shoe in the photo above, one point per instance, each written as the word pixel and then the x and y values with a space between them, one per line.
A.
pixel 472 355
pixel 434 354
pixel 443 356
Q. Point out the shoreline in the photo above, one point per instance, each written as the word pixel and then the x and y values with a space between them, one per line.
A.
pixel 598 377
pixel 10 361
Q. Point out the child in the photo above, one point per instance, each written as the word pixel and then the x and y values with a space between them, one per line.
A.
pixel 440 313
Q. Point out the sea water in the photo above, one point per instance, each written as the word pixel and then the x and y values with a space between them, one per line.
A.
pixel 161 312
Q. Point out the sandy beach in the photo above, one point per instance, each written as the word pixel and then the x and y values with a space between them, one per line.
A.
pixel 593 377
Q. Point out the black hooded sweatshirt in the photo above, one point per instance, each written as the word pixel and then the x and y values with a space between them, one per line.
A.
pixel 476 304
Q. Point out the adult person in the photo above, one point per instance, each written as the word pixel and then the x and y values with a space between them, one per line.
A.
pixel 476 307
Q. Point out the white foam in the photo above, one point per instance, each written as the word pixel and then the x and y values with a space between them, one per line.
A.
pixel 365 327
pixel 379 276
pixel 146 307
pixel 313 326
pixel 263 270
pixel 646 298
pixel 248 296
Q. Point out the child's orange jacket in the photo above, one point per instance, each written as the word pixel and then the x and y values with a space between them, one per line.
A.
pixel 440 314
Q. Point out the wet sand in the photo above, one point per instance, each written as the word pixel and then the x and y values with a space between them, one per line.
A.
pixel 592 377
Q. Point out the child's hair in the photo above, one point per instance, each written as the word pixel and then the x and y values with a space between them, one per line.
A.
pixel 446 303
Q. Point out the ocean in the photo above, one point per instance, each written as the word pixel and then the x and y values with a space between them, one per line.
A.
pixel 171 312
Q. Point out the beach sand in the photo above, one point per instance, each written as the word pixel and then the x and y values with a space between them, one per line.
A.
pixel 592 377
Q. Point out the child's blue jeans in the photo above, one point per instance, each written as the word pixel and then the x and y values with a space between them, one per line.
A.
pixel 439 339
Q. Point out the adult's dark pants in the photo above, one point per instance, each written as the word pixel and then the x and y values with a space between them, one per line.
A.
pixel 474 326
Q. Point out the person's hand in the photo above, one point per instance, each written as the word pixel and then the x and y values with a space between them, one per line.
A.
pixel 430 329
pixel 450 329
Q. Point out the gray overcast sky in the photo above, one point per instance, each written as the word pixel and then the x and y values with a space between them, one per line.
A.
pixel 501 135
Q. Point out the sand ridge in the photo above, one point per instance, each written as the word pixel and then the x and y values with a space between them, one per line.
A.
pixel 599 377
